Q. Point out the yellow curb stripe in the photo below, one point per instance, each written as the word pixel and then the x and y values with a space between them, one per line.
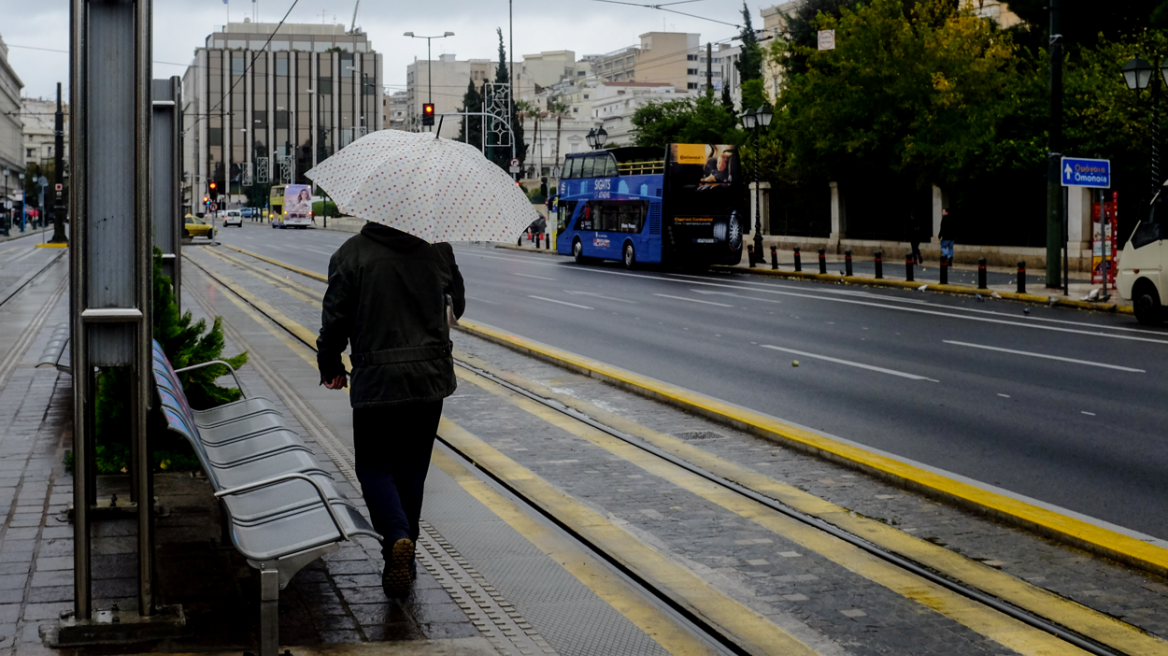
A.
pixel 52 245
pixel 1073 531
pixel 753 632
pixel 1086 621
pixel 983 620
pixel 304 272
pixel 581 564
pixel 934 287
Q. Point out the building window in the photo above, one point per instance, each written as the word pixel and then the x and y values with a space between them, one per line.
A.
pixel 691 71
pixel 691 57
pixel 585 96
pixel 691 85
pixel 31 153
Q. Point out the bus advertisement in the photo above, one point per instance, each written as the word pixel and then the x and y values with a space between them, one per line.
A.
pixel 291 206
pixel 679 206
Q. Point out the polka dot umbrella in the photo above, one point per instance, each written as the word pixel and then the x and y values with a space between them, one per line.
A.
pixel 435 189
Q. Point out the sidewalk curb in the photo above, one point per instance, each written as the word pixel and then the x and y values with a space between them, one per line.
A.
pixel 1114 308
pixel 1048 523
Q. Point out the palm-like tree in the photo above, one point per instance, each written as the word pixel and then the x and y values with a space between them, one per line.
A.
pixel 558 110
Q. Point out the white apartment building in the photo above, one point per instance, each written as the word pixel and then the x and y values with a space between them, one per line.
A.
pixel 397 106
pixel 39 118
pixel 443 82
pixel 11 151
pixel 616 102
pixel 661 57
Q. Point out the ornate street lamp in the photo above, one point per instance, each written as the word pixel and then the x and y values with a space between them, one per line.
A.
pixel 1138 74
pixel 596 138
pixel 753 120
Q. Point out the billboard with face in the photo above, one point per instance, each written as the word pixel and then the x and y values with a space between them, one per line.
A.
pixel 298 203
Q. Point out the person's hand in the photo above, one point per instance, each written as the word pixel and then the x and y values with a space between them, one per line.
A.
pixel 340 382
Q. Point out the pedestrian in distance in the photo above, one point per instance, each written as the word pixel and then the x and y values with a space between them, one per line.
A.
pixel 948 233
pixel 916 231
pixel 392 297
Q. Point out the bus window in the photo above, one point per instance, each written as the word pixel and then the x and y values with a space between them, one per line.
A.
pixel 574 167
pixel 589 170
pixel 616 215
pixel 610 170
pixel 567 209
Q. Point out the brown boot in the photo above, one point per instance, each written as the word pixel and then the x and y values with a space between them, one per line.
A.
pixel 396 580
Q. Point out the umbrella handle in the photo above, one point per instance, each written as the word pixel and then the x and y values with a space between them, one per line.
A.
pixel 439 130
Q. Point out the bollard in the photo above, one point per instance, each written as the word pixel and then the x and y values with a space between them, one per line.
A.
pixel 529 235
pixel 908 267
pixel 822 262
pixel 1021 276
pixel 848 263
pixel 981 273
pixel 774 257
pixel 798 261
pixel 944 270
pixel 750 254
pixel 879 265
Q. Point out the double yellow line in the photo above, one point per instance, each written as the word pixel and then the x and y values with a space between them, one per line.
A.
pixel 737 620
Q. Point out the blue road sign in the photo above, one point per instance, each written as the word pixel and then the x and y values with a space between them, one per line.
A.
pixel 1078 172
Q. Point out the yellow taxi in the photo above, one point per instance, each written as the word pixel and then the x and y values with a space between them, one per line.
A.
pixel 196 227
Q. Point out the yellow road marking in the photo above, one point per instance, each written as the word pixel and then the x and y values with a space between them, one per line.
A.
pixel 998 627
pixel 581 564
pixel 304 272
pixel 1076 532
pixel 1086 621
pixel 751 631
pixel 9 250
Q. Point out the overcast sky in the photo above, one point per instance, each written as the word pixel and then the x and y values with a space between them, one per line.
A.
pixel 180 26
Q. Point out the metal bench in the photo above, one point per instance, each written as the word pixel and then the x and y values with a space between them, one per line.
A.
pixel 283 510
pixel 56 354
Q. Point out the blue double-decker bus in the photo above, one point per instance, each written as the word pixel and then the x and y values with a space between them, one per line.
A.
pixel 682 206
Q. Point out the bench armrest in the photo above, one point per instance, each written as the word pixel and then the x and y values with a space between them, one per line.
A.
pixel 208 364
pixel 287 477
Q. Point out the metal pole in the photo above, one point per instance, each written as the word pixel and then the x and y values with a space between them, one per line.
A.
pixel 757 199
pixel 83 378
pixel 1066 245
pixel 1054 196
pixel 142 368
pixel 429 76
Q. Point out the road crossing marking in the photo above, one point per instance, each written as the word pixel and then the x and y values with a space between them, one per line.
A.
pixel 758 300
pixel 693 300
pixel 524 275
pixel 849 363
pixel 607 298
pixel 552 300
pixel 1047 357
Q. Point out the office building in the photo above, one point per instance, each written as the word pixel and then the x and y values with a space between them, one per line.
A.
pixel 262 106
pixel 11 128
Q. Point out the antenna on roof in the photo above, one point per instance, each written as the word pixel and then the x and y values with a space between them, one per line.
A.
pixel 353 29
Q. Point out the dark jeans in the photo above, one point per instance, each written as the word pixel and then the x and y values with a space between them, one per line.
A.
pixel 392 447
pixel 916 252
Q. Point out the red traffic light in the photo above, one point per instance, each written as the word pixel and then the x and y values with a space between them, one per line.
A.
pixel 212 186
pixel 428 114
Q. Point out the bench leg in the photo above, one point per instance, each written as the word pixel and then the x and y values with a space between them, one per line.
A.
pixel 269 612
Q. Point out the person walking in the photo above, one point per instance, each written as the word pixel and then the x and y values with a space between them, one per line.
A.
pixel 915 232
pixel 391 296
pixel 947 234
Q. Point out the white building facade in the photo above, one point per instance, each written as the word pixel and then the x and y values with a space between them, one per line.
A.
pixel 11 142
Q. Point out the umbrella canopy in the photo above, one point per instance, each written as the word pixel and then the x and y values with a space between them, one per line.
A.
pixel 435 189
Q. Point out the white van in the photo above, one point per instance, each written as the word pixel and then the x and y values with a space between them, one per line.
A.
pixel 1141 278
pixel 233 217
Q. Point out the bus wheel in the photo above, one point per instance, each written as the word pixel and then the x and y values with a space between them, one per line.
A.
pixel 578 252
pixel 630 256
pixel 1146 302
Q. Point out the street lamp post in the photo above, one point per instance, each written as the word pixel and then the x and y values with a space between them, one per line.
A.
pixel 429 63
pixel 5 218
pixel 1138 74
pixel 753 120
pixel 596 138
pixel 23 204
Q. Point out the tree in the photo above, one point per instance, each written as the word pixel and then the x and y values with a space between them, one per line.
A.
pixel 749 62
pixel 499 154
pixel 559 111
pixel 689 120
pixel 471 130
pixel 802 28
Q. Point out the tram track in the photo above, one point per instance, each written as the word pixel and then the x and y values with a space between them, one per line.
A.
pixel 12 290
pixel 1075 625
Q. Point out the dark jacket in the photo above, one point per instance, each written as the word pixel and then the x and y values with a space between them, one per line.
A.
pixel 387 297
pixel 949 226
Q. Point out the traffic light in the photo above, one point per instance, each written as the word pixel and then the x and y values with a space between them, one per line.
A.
pixel 213 185
pixel 428 114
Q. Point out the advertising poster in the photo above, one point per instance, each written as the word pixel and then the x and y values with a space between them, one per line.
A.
pixel 298 203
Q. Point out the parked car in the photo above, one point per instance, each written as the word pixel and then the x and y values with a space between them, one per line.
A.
pixel 233 217
pixel 196 227
pixel 246 212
